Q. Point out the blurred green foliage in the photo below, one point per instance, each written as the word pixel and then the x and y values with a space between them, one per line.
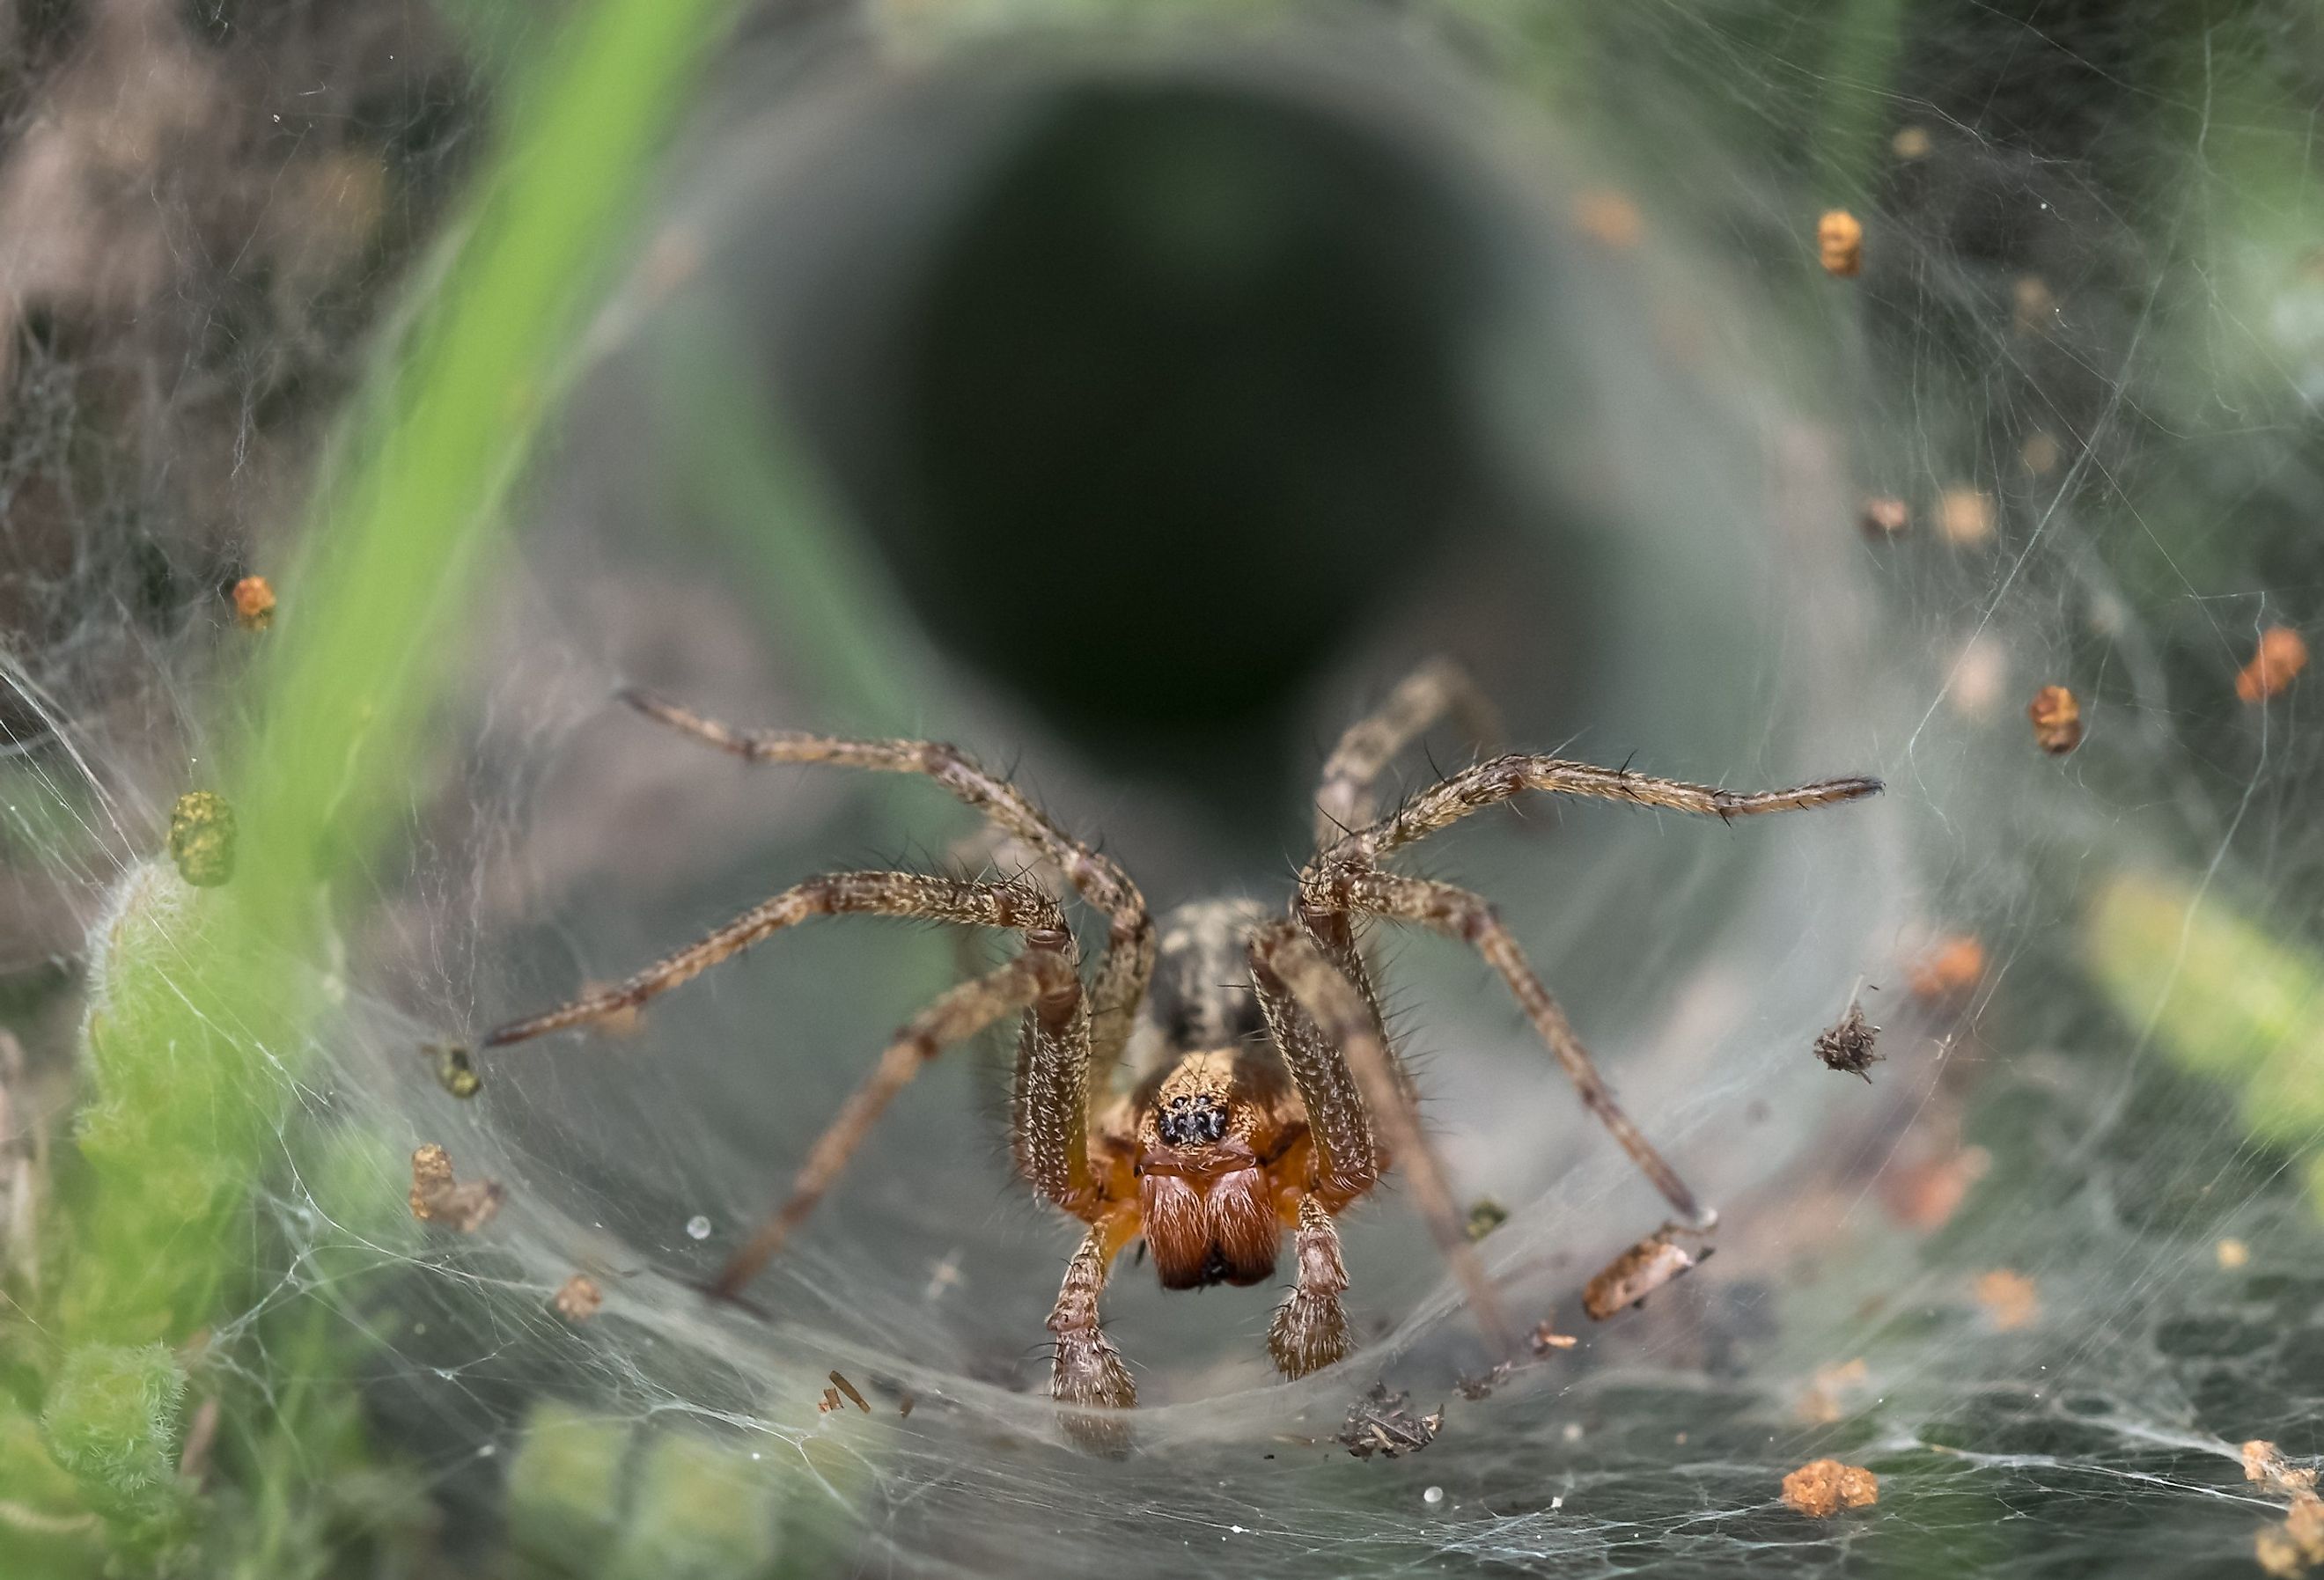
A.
pixel 201 1004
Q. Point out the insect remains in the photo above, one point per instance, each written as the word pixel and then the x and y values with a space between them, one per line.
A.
pixel 1638 1272
pixel 1850 1046
pixel 1381 1423
pixel 1545 1338
pixel 848 1389
pixel 456 1071
pixel 1221 1087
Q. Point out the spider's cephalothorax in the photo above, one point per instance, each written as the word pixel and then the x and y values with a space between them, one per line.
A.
pixel 1208 1090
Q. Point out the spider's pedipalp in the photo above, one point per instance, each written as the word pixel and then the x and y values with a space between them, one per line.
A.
pixel 1085 1368
pixel 1310 1329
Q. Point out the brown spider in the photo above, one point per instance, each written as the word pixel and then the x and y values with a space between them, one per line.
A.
pixel 1165 1099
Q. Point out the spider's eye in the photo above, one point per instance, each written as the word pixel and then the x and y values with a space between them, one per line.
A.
pixel 1191 1120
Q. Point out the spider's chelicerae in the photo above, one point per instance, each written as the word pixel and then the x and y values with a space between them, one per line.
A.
pixel 1221 1078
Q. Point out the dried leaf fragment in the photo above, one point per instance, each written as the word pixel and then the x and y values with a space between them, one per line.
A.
pixel 1821 1488
pixel 254 603
pixel 829 1402
pixel 1851 1046
pixel 201 838
pixel 1379 1423
pixel 2010 1298
pixel 578 1299
pixel 848 1389
pixel 201 1438
pixel 1840 244
pixel 2281 653
pixel 1635 1274
pixel 2057 719
pixel 437 1197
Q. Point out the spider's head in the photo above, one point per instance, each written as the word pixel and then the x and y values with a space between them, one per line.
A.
pixel 1204 1193
pixel 1192 1118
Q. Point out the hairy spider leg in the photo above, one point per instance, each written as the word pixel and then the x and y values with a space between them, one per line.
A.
pixel 1053 1086
pixel 1345 1033
pixel 1086 1369
pixel 1128 958
pixel 1493 781
pixel 1342 882
pixel 1043 977
pixel 1347 799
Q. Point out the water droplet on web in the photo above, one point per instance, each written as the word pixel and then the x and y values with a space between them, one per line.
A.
pixel 698 1227
pixel 1433 1496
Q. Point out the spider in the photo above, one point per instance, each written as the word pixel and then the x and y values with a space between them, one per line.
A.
pixel 1221 1079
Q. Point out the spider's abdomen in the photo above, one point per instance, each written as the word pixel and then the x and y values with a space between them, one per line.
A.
pixel 1201 996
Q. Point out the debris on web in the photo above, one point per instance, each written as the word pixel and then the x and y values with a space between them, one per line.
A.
pixel 437 1197
pixel 1851 1046
pixel 578 1299
pixel 1821 1488
pixel 1382 1423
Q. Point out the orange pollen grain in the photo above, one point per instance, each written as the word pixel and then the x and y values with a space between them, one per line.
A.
pixel 2282 654
pixel 254 603
pixel 1840 244
pixel 2057 719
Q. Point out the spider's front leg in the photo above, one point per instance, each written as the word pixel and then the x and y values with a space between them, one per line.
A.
pixel 1310 1330
pixel 1088 1370
pixel 1328 1035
